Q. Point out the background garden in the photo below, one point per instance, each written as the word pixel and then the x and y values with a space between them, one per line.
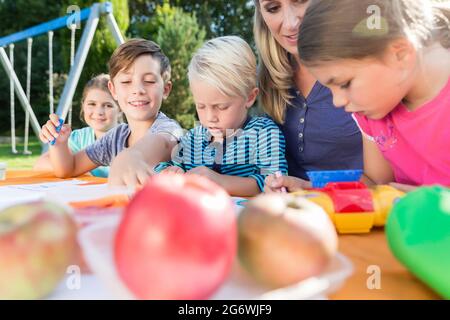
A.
pixel 179 26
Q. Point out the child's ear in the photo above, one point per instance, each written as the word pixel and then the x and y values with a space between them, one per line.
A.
pixel 402 53
pixel 251 98
pixel 167 89
pixel 112 89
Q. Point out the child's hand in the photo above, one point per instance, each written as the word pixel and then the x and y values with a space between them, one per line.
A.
pixel 173 169
pixel 206 172
pixel 129 169
pixel 48 132
pixel 274 184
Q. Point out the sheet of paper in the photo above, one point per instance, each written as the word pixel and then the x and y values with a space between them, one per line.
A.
pixel 64 191
pixel 239 204
pixel 10 196
pixel 70 191
pixel 85 192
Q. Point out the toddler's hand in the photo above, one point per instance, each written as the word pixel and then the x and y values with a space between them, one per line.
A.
pixel 173 169
pixel 274 184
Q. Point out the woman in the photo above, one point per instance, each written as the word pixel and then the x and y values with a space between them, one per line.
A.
pixel 318 135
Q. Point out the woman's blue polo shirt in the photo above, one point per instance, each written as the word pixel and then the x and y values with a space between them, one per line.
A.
pixel 320 136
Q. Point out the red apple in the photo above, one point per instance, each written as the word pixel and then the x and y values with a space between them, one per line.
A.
pixel 37 244
pixel 284 239
pixel 177 238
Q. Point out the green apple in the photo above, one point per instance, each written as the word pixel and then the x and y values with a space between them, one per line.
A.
pixel 37 244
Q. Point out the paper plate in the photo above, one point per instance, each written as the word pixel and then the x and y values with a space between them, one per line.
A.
pixel 97 241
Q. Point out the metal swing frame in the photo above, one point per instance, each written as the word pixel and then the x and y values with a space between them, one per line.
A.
pixel 92 15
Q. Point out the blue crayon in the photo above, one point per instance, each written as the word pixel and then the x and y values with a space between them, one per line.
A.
pixel 58 129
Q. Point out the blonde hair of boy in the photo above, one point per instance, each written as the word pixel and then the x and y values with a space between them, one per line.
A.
pixel 226 63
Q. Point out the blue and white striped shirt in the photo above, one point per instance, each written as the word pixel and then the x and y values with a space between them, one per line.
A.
pixel 255 151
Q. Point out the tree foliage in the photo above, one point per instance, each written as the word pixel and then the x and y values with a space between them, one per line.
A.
pixel 102 45
pixel 32 13
pixel 179 26
pixel 180 36
pixel 231 17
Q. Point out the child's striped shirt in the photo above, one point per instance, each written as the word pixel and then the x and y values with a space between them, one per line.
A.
pixel 255 151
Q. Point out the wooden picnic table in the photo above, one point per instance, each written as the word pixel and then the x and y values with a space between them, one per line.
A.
pixel 28 177
pixel 372 249
pixel 364 250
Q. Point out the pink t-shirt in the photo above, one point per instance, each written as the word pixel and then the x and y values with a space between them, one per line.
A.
pixel 417 143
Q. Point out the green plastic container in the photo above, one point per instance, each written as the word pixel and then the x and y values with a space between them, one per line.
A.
pixel 418 233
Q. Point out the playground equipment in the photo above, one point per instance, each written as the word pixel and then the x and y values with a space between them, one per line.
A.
pixel 91 15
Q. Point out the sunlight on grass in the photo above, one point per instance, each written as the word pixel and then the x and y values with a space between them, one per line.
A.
pixel 20 161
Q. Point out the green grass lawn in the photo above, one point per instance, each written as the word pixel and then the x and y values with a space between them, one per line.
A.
pixel 20 161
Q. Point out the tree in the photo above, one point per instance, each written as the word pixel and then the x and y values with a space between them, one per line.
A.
pixel 101 48
pixel 17 15
pixel 179 33
pixel 231 17
pixel 31 13
pixel 220 18
pixel 179 36
pixel 161 20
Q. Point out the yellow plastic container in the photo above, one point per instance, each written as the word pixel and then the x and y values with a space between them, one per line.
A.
pixel 355 222
pixel 320 198
pixel 383 198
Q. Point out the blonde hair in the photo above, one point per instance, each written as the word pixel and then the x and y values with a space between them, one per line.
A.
pixel 333 30
pixel 275 73
pixel 227 63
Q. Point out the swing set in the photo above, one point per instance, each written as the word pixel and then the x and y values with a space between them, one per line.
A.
pixel 72 21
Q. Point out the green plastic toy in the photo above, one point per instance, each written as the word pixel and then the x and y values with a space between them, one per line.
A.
pixel 418 233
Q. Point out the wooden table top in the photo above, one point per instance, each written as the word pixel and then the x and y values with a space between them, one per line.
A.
pixel 372 249
pixel 364 250
pixel 14 177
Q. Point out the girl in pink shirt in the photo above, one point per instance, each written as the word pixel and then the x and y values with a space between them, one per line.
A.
pixel 387 62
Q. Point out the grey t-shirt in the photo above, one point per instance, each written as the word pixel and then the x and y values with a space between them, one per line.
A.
pixel 104 150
